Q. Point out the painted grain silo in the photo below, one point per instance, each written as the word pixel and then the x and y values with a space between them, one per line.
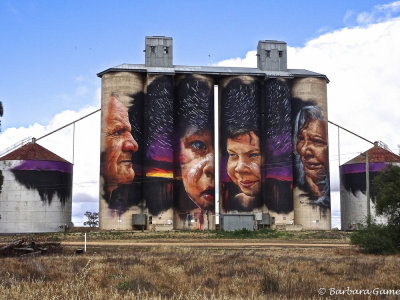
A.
pixel 166 136
pixel 35 191
pixel 311 193
pixel 353 198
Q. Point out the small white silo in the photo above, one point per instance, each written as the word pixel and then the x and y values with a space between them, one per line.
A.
pixel 353 198
pixel 35 191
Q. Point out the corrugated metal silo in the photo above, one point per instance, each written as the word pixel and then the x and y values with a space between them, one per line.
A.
pixel 35 191
pixel 353 198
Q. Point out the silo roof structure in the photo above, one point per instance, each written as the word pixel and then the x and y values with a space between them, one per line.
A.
pixel 32 151
pixel 214 70
pixel 377 157
pixel 375 154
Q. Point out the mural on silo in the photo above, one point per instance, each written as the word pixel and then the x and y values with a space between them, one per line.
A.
pixel 311 157
pixel 278 154
pixel 310 143
pixel 241 157
pixel 137 160
pixel 158 144
pixel 194 185
pixel 158 149
pixel 121 159
pixel 49 178
pixel 120 165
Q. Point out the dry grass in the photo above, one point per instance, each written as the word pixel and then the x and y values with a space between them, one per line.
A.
pixel 188 273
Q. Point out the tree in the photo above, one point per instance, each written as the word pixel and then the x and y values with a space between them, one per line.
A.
pixel 92 219
pixel 386 187
pixel 375 239
pixel 379 239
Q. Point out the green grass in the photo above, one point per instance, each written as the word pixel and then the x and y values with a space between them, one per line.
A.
pixel 175 235
pixel 257 234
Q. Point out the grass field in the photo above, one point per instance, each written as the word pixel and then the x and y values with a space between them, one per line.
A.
pixel 154 272
pixel 263 234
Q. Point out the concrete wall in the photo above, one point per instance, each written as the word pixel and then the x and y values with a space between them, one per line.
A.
pixel 158 51
pixel 272 56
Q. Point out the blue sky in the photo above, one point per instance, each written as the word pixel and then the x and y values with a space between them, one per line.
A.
pixel 51 52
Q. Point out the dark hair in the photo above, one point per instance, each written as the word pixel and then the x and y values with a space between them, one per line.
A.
pixel 158 113
pixel 240 106
pixel 278 110
pixel 194 104
pixel 277 146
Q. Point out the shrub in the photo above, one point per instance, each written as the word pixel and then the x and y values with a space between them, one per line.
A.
pixel 375 239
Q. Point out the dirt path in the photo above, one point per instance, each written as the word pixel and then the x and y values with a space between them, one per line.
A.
pixel 205 244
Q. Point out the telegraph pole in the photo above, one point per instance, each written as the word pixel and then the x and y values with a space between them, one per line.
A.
pixel 367 189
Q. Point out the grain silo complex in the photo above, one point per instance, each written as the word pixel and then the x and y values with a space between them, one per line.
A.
pixel 35 191
pixel 353 186
pixel 169 141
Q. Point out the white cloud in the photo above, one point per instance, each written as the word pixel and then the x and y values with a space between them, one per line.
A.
pixel 249 61
pixel 347 16
pixel 365 18
pixel 81 91
pixel 79 78
pixel 380 13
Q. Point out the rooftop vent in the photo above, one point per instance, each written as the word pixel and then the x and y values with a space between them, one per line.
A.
pixel 158 51
pixel 272 56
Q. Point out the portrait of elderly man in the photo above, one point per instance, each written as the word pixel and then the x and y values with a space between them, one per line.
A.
pixel 119 145
pixel 310 143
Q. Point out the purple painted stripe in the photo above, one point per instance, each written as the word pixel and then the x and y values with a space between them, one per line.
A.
pixel 44 165
pixel 360 168
pixel 284 173
pixel 280 145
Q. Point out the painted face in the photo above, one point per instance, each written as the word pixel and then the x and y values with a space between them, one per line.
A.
pixel 244 162
pixel 197 168
pixel 119 144
pixel 312 146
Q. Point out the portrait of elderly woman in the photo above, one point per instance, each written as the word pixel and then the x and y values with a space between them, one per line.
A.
pixel 241 138
pixel 310 144
pixel 194 95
